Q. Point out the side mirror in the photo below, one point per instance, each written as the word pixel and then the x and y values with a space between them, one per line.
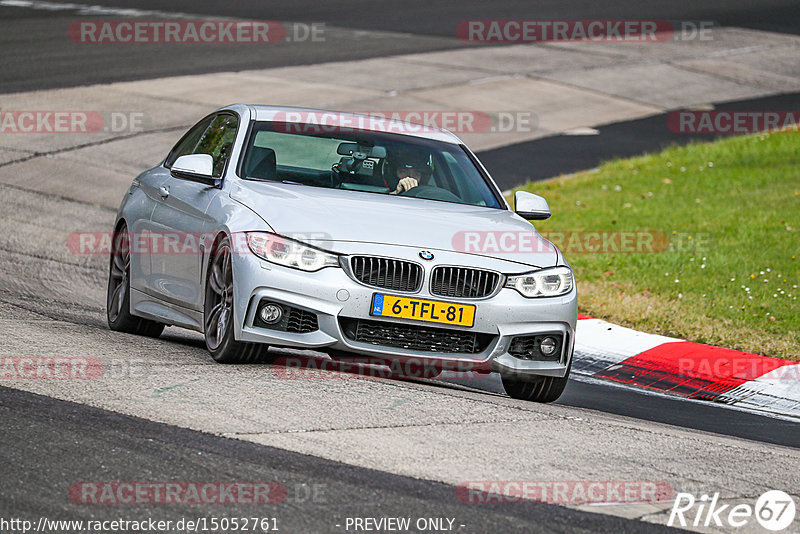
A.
pixel 531 207
pixel 196 167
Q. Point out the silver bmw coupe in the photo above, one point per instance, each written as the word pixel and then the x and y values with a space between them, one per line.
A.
pixel 362 237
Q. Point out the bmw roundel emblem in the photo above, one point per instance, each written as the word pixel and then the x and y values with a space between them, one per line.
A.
pixel 426 255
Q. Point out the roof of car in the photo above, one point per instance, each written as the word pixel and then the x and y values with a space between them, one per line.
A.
pixel 328 120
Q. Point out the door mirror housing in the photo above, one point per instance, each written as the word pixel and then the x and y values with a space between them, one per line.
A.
pixel 531 207
pixel 197 168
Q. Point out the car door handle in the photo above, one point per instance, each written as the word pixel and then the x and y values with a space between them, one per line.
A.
pixel 163 191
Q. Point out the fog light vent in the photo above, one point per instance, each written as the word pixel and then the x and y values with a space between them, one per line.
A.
pixel 285 318
pixel 537 348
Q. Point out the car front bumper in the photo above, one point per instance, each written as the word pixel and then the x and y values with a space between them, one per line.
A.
pixel 334 296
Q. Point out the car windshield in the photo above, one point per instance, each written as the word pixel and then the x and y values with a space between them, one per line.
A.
pixel 366 161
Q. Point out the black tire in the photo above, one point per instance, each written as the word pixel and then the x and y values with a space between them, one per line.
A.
pixel 535 389
pixel 218 313
pixel 118 296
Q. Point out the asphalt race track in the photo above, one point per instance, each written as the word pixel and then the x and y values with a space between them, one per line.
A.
pixel 163 410
pixel 137 448
pixel 35 55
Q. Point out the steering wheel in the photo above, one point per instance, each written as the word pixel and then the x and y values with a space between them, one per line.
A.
pixel 431 192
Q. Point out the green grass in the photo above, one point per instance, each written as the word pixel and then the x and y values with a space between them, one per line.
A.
pixel 731 212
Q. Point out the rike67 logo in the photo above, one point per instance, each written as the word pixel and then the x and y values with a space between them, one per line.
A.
pixel 774 510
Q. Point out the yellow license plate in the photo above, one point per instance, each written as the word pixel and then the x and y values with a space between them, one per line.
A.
pixel 433 311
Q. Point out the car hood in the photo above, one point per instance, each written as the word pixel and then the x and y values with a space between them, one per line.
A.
pixel 331 218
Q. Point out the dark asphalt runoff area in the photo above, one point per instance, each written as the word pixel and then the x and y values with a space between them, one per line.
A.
pixel 563 154
pixel 48 445
pixel 698 415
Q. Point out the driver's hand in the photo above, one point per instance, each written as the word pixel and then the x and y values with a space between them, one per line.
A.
pixel 405 184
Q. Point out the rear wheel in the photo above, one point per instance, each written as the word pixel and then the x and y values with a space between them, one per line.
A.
pixel 218 313
pixel 118 297
pixel 535 389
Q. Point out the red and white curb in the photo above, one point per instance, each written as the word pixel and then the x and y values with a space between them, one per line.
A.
pixel 605 350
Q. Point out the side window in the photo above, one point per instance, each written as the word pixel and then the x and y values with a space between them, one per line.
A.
pixel 218 141
pixel 188 142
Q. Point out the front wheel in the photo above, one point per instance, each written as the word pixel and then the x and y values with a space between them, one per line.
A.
pixel 118 297
pixel 535 389
pixel 218 313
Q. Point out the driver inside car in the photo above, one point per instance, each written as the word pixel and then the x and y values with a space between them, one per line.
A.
pixel 410 172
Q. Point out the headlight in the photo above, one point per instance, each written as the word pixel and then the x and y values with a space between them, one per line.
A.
pixel 545 283
pixel 290 253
